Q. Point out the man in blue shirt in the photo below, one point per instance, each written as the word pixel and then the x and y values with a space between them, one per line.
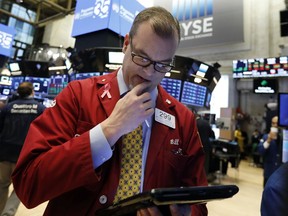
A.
pixel 15 119
pixel 275 194
pixel 270 148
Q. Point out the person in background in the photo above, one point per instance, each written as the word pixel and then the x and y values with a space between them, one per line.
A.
pixel 15 119
pixel 270 149
pixel 239 138
pixel 255 139
pixel 206 134
pixel 275 195
pixel 72 153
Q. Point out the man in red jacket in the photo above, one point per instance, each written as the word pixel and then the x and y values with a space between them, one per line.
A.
pixel 72 154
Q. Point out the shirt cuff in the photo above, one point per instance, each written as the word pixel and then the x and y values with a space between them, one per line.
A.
pixel 100 148
pixel 266 145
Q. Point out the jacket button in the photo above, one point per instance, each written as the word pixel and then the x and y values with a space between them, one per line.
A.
pixel 103 199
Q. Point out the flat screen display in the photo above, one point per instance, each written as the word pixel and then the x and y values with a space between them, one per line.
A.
pixel 91 16
pixel 208 98
pixel 40 84
pixel 115 57
pixel 5 80
pixel 14 66
pixel 265 86
pixel 5 91
pixel 57 83
pixel 80 76
pixel 261 67
pixel 172 86
pixel 203 74
pixel 193 94
pixel 282 110
pixel 16 82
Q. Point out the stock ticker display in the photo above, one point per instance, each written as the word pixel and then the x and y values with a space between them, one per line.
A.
pixel 261 67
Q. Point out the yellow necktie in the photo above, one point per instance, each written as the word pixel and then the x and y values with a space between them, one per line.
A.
pixel 131 164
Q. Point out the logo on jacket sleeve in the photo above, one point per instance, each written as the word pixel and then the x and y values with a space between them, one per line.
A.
pixel 174 141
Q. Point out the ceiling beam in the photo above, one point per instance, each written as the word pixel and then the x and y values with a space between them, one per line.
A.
pixel 44 22
pixel 54 6
pixel 39 23
pixel 16 17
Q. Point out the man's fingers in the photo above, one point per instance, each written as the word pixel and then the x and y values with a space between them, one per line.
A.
pixel 140 88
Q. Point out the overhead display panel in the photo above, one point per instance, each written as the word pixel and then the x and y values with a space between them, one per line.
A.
pixel 261 67
pixel 6 39
pixel 95 15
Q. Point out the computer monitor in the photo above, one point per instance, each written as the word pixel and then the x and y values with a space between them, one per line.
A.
pixel 57 83
pixel 5 80
pixel 80 76
pixel 40 84
pixel 14 66
pixel 208 98
pixel 5 90
pixel 115 57
pixel 193 94
pixel 16 82
pixel 282 109
pixel 172 86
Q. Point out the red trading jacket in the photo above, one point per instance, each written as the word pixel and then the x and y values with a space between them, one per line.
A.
pixel 56 163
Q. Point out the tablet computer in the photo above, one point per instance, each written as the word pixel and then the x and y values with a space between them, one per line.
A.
pixel 163 197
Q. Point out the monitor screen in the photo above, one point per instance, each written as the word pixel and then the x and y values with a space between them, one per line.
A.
pixel 208 99
pixel 40 84
pixel 16 82
pixel 57 83
pixel 5 80
pixel 203 74
pixel 14 66
pixel 193 94
pixel 80 76
pixel 115 57
pixel 265 86
pixel 172 86
pixel 282 109
pixel 5 90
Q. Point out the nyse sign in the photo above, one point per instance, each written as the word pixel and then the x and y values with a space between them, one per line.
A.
pixel 197 28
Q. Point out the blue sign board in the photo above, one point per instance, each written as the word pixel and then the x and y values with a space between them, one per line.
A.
pixel 95 15
pixel 6 39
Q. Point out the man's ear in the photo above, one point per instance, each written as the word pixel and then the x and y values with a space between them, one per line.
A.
pixel 126 43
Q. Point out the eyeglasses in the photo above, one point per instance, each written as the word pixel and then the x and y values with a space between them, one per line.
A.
pixel 145 62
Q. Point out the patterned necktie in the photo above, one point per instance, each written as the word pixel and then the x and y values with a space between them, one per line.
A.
pixel 131 163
